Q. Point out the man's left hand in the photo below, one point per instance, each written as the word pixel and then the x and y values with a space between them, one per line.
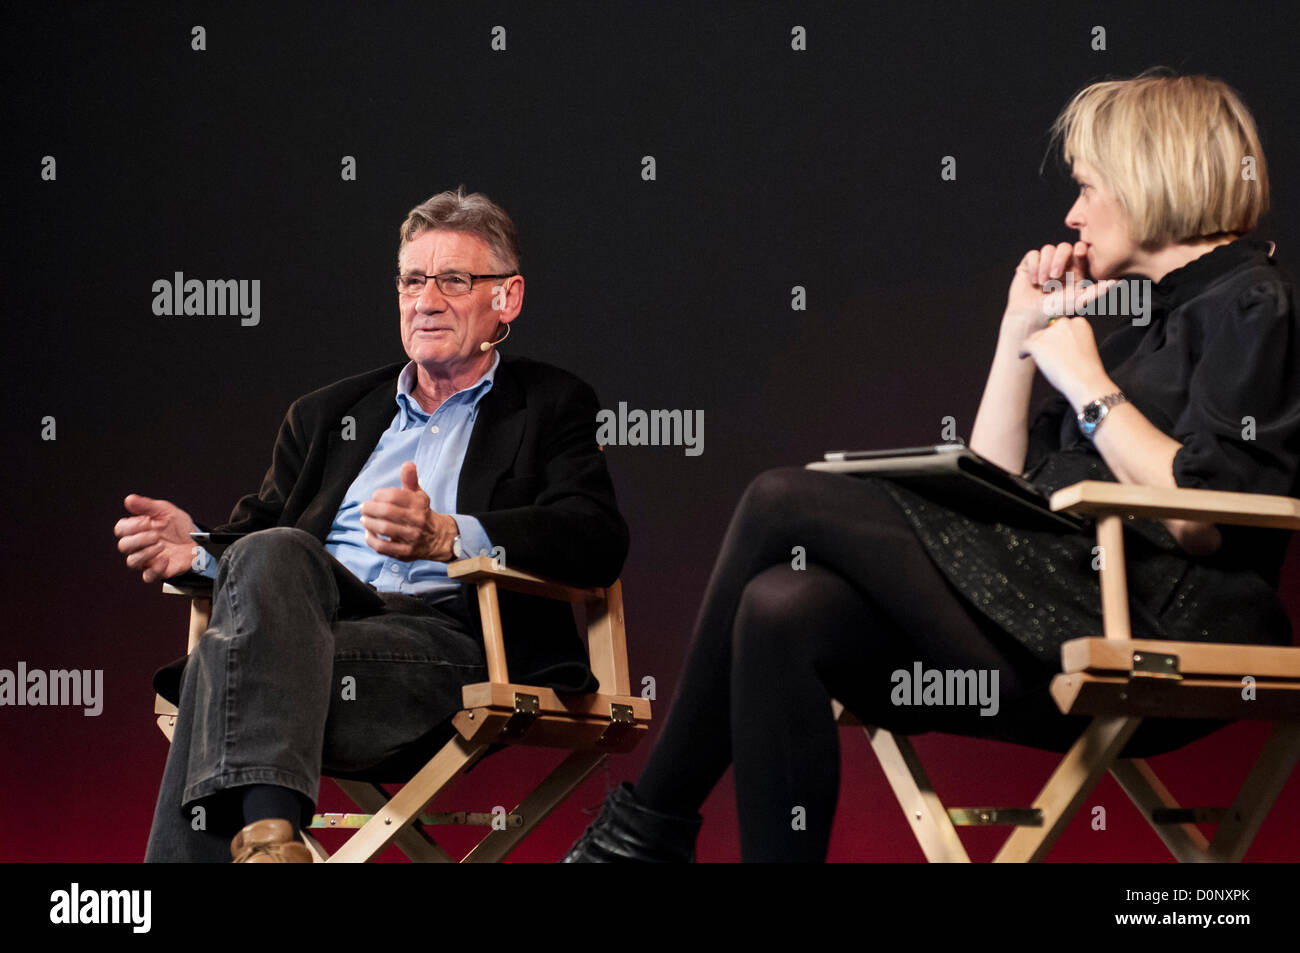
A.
pixel 403 514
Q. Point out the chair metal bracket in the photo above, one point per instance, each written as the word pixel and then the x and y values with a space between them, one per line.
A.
pixel 1155 665
pixel 996 816
pixel 621 721
pixel 525 714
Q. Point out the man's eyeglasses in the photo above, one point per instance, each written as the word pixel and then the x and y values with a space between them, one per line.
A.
pixel 450 283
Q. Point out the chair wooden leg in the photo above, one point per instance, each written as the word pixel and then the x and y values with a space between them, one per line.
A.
pixel 1083 766
pixel 930 823
pixel 319 854
pixel 1262 786
pixel 1148 793
pixel 561 782
pixel 413 840
pixel 406 804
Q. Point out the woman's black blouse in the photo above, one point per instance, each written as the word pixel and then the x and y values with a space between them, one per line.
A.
pixel 1218 369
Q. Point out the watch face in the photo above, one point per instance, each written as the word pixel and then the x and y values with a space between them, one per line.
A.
pixel 1092 413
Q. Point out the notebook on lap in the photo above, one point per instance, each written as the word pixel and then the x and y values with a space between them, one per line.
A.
pixel 955 476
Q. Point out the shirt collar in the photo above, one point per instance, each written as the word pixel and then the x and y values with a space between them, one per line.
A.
pixel 1183 284
pixel 409 409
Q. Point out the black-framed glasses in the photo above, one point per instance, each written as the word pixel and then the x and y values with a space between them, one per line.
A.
pixel 450 283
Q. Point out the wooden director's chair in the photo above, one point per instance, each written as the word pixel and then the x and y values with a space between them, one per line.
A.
pixel 1119 680
pixel 496 712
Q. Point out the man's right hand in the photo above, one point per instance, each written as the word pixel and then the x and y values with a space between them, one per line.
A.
pixel 156 538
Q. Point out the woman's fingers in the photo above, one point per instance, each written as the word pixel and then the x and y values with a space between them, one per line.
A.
pixel 1062 259
pixel 1080 263
pixel 1045 257
pixel 1052 262
pixel 1029 267
pixel 1092 291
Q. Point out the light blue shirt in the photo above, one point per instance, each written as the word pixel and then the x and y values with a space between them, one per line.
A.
pixel 437 444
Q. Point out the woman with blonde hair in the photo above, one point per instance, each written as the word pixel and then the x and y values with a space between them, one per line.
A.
pixel 1201 389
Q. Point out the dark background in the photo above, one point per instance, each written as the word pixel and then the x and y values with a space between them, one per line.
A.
pixel 775 168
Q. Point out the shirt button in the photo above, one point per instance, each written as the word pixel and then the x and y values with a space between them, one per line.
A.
pixel 393 568
pixel 433 429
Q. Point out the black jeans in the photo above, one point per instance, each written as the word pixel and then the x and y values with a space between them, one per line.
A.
pixel 823 590
pixel 302 673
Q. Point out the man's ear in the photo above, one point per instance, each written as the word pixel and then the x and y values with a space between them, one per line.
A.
pixel 508 298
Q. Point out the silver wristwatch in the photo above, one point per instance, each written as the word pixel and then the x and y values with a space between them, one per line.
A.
pixel 1095 411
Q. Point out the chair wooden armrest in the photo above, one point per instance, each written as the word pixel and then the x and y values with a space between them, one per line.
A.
pixel 1111 502
pixel 611 719
pixel 1100 497
pixel 485 568
pixel 606 642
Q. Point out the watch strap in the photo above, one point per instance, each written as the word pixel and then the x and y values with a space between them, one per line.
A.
pixel 1094 412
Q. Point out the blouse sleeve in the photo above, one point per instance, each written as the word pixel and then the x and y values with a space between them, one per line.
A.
pixel 1045 432
pixel 1240 429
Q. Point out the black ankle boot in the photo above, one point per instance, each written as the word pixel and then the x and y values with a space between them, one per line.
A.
pixel 628 831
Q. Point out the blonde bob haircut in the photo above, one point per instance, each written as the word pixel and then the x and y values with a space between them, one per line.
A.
pixel 1180 153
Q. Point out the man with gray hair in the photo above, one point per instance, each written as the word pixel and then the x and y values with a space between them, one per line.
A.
pixel 338 644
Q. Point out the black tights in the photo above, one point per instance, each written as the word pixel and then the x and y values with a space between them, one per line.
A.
pixel 774 643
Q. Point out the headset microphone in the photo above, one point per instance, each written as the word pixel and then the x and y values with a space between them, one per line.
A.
pixel 489 345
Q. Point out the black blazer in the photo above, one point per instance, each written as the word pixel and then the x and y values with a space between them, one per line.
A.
pixel 533 475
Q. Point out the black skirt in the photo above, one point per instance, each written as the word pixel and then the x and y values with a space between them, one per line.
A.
pixel 1040 585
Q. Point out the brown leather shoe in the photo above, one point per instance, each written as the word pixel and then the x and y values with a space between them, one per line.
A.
pixel 268 841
